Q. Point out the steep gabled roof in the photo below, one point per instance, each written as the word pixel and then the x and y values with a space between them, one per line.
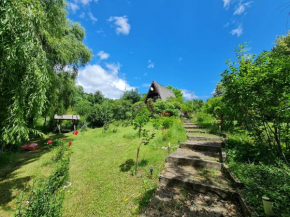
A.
pixel 164 92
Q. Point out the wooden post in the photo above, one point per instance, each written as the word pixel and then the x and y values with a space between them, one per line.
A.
pixel 74 125
pixel 58 126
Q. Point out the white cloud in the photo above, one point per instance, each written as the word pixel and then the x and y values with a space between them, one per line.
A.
pixel 103 55
pixel 85 2
pixel 72 6
pixel 238 31
pixel 226 25
pixel 188 95
pixel 151 64
pixel 226 3
pixel 145 74
pixel 113 67
pixel 82 15
pixel 91 16
pixel 123 27
pixel 240 9
pixel 94 77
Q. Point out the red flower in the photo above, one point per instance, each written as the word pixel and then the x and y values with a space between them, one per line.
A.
pixel 219 117
pixel 49 142
pixel 76 132
pixel 63 139
pixel 70 143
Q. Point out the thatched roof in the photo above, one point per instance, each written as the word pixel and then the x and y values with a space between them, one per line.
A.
pixel 163 92
pixel 66 117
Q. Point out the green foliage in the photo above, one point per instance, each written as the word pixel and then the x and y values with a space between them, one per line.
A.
pixel 194 105
pixel 45 197
pixel 260 174
pixel 257 91
pixel 101 114
pixel 132 95
pixel 167 122
pixel 141 119
pixel 139 122
pixel 219 90
pixel 177 92
pixel 96 98
pixel 33 44
pixel 207 121
pixel 122 109
pixel 165 108
pixel 83 108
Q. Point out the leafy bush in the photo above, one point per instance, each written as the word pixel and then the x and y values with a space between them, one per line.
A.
pixel 165 108
pixel 101 115
pixel 261 180
pixel 207 121
pixel 257 91
pixel 45 197
pixel 167 122
pixel 261 172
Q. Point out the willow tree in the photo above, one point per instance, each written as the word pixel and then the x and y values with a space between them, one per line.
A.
pixel 37 42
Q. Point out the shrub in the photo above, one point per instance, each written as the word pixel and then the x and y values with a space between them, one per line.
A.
pixel 45 197
pixel 165 108
pixel 101 114
pixel 167 122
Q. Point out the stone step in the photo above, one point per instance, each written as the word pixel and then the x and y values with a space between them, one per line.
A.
pixel 187 122
pixel 190 125
pixel 182 201
pixel 213 146
pixel 191 129
pixel 202 181
pixel 204 138
pixel 186 157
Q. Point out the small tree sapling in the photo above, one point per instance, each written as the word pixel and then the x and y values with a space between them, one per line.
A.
pixel 141 119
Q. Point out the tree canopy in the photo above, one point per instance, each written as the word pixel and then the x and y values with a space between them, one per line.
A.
pixel 37 42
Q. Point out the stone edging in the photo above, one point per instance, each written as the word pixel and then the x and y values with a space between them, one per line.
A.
pixel 246 209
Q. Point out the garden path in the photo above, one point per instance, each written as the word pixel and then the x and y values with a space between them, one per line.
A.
pixel 192 182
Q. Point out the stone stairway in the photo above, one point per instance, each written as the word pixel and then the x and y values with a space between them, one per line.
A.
pixel 192 182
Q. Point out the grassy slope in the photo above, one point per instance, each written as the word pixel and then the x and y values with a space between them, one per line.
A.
pixel 99 185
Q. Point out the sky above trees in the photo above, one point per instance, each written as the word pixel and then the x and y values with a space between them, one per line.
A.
pixel 182 43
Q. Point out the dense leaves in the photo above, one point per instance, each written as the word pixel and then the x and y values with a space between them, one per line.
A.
pixel 258 91
pixel 36 43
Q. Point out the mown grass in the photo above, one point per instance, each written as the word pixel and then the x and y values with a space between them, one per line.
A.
pixel 101 169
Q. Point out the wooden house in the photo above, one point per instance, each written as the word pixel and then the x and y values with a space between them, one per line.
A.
pixel 158 91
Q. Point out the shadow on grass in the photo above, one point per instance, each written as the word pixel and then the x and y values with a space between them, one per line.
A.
pixel 145 199
pixel 130 163
pixel 9 176
pixel 125 167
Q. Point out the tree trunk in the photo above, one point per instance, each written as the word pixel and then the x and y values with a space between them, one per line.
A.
pixel 277 140
pixel 44 125
pixel 137 158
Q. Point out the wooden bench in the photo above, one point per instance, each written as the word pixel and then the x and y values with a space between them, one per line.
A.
pixel 66 130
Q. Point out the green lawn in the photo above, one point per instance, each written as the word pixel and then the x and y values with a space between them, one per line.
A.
pixel 101 170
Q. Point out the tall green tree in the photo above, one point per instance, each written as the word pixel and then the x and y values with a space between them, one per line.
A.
pixel 132 95
pixel 177 92
pixel 257 90
pixel 36 41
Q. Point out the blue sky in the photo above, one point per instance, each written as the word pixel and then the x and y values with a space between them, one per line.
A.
pixel 183 43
